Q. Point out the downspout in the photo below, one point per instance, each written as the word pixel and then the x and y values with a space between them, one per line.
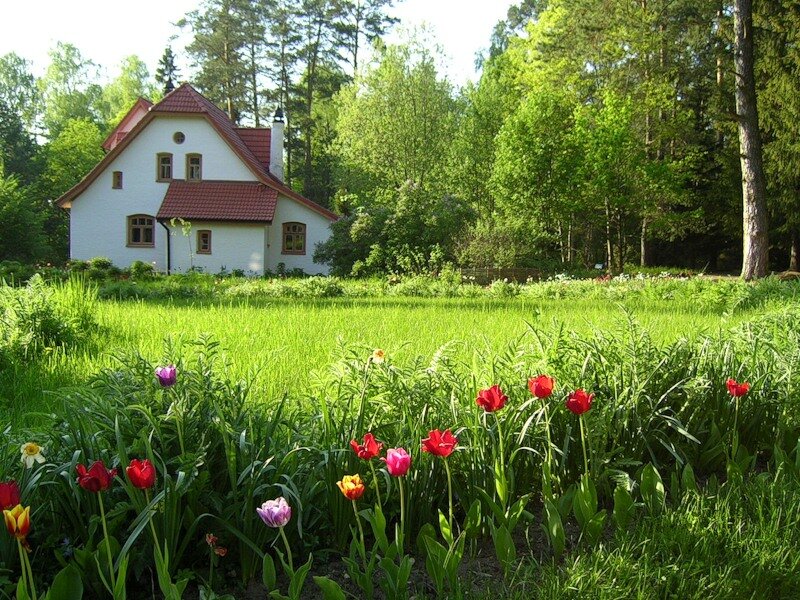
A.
pixel 169 258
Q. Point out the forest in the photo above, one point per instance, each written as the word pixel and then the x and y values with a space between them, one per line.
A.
pixel 599 131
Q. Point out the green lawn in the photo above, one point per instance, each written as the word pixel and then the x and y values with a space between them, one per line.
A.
pixel 286 340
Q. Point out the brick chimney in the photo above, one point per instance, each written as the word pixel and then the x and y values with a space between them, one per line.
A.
pixel 276 145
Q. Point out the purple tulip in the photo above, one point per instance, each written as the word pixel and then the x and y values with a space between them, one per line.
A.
pixel 166 375
pixel 275 513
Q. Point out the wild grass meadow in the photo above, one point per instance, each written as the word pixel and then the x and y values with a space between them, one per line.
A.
pixel 630 438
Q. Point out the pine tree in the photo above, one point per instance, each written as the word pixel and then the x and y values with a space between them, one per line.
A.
pixel 167 72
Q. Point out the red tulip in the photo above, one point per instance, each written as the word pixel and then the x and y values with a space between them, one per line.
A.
pixel 737 390
pixel 491 399
pixel 439 444
pixel 579 401
pixel 97 478
pixel 9 495
pixel 18 521
pixel 142 473
pixel 541 386
pixel 369 449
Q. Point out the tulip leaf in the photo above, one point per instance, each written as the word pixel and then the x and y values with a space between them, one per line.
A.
pixel 688 481
pixel 268 575
pixel 652 487
pixel 584 503
pixel 554 528
pixel 22 590
pixel 444 527
pixel 472 523
pixel 504 547
pixel 594 527
pixel 299 578
pixel 623 507
pixel 67 585
pixel 330 589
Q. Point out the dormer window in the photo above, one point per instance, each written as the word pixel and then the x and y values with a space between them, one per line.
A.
pixel 194 167
pixel 116 180
pixel 164 167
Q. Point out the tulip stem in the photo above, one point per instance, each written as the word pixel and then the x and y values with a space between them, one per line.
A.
pixel 375 479
pixel 402 515
pixel 25 566
pixel 30 574
pixel 735 432
pixel 501 464
pixel 361 533
pixel 108 543
pixel 449 491
pixel 153 527
pixel 583 443
pixel 549 453
pixel 288 549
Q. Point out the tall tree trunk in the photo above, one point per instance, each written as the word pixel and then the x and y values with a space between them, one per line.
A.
pixel 609 243
pixel 795 250
pixel 644 259
pixel 569 241
pixel 755 261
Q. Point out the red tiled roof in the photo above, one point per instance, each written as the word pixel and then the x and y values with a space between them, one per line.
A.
pixel 186 100
pixel 141 106
pixel 258 141
pixel 219 201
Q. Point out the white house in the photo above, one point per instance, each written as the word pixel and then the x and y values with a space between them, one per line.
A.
pixel 184 159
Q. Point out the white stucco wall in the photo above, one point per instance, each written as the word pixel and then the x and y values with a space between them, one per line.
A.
pixel 233 246
pixel 317 230
pixel 98 217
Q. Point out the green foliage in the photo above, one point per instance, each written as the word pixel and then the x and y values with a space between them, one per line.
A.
pixel 38 318
pixel 23 232
pixel 69 90
pixel 120 95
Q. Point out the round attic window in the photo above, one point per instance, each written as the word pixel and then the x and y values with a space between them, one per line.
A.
pixel 178 137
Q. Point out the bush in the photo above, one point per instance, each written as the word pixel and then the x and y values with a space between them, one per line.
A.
pixel 41 316
pixel 142 270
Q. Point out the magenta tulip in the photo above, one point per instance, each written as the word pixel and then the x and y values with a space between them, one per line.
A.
pixel 398 462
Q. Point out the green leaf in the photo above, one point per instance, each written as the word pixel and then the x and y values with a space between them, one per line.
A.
pixel 504 547
pixel 472 523
pixel 623 507
pixel 299 578
pixel 444 527
pixel 500 484
pixel 554 528
pixel 594 527
pixel 688 481
pixel 67 585
pixel 22 590
pixel 584 503
pixel 268 575
pixel 516 511
pixel 653 492
pixel 378 523
pixel 426 531
pixel 330 589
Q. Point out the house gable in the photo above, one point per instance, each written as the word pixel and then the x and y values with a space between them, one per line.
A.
pixel 185 101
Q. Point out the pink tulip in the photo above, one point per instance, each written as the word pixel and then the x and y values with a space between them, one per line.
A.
pixel 398 462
